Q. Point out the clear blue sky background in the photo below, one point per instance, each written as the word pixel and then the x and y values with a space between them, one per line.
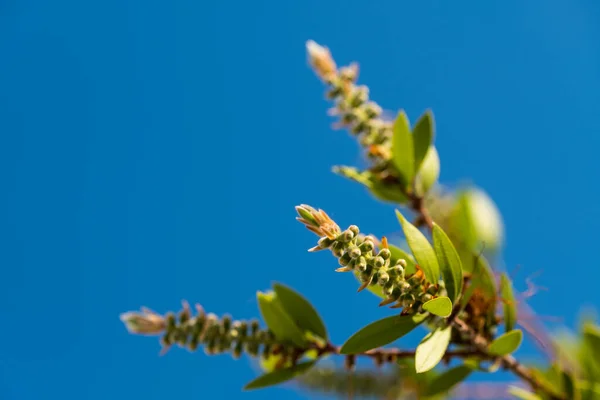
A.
pixel 152 151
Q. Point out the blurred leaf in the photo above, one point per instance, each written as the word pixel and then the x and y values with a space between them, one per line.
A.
pixel 569 386
pixel 589 390
pixel 477 220
pixel 440 306
pixel 447 380
pixel 277 320
pixel 510 304
pixel 506 343
pixel 423 133
pixel 591 337
pixel 397 254
pixel 403 155
pixel 590 354
pixel 449 262
pixel 279 376
pixel 429 172
pixel 522 393
pixel 382 332
pixel 432 348
pixel 421 249
pixel 302 312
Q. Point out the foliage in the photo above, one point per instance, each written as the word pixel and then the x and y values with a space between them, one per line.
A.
pixel 442 281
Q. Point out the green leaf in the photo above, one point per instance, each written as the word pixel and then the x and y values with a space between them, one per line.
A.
pixel 279 376
pixel 422 250
pixel 477 220
pixel 447 380
pixel 402 149
pixel 302 312
pixel 432 348
pixel 440 306
pixel 506 343
pixel 423 137
pixel 278 321
pixel 382 332
pixel 569 386
pixel 510 304
pixel 449 261
pixel 429 172
pixel 380 190
pixel 522 393
pixel 397 254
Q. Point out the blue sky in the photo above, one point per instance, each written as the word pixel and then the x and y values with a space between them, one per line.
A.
pixel 154 151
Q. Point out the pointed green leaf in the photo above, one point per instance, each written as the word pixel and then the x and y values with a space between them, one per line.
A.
pixel 402 149
pixel 449 261
pixel 440 306
pixel 277 320
pixel 378 189
pixel 507 343
pixel 382 332
pixel 510 304
pixel 423 137
pixel 279 376
pixel 432 348
pixel 422 250
pixel 522 393
pixel 447 380
pixel 302 312
pixel 429 172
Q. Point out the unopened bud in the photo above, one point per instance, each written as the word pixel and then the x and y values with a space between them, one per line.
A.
pixel 385 253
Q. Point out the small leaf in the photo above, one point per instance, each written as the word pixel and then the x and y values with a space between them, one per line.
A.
pixel 279 376
pixel 302 312
pixel 422 250
pixel 379 189
pixel 423 137
pixel 522 393
pixel 432 348
pixel 440 306
pixel 510 304
pixel 447 380
pixel 429 172
pixel 277 320
pixel 382 332
pixel 402 149
pixel 449 261
pixel 506 343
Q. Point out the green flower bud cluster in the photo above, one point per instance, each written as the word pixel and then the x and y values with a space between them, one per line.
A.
pixel 216 335
pixel 356 112
pixel 357 253
pixel 363 384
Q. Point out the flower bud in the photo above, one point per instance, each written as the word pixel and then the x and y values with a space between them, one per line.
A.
pixel 354 252
pixel 402 262
pixel 383 278
pixel 354 229
pixel 346 236
pixel 361 264
pixel 366 246
pixel 378 262
pixel 385 254
pixel 324 242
